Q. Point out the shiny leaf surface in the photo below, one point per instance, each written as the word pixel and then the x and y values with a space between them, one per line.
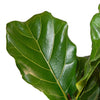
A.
pixel 47 58
pixel 44 54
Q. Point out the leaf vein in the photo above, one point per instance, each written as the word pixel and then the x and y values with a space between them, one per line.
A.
pixel 24 43
pixel 30 59
pixel 49 66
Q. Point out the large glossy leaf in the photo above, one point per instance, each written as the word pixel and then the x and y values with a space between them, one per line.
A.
pixel 94 59
pixel 44 54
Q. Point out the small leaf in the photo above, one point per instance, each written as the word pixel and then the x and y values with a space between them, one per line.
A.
pixel 44 54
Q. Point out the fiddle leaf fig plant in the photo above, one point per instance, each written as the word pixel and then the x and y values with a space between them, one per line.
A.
pixel 46 57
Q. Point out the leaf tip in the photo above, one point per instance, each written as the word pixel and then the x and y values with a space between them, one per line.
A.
pixel 46 13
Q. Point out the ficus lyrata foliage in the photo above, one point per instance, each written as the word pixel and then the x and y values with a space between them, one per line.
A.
pixel 46 57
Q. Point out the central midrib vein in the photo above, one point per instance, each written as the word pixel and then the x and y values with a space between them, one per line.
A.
pixel 48 64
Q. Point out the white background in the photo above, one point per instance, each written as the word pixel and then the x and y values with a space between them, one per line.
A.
pixel 77 13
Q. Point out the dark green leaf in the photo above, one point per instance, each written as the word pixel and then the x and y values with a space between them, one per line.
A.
pixel 94 59
pixel 44 54
pixel 92 89
pixel 81 61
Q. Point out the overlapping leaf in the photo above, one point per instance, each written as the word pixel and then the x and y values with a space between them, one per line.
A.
pixel 92 89
pixel 93 61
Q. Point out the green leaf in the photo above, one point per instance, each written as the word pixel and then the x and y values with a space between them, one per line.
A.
pixel 94 59
pixel 81 61
pixel 92 89
pixel 44 54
